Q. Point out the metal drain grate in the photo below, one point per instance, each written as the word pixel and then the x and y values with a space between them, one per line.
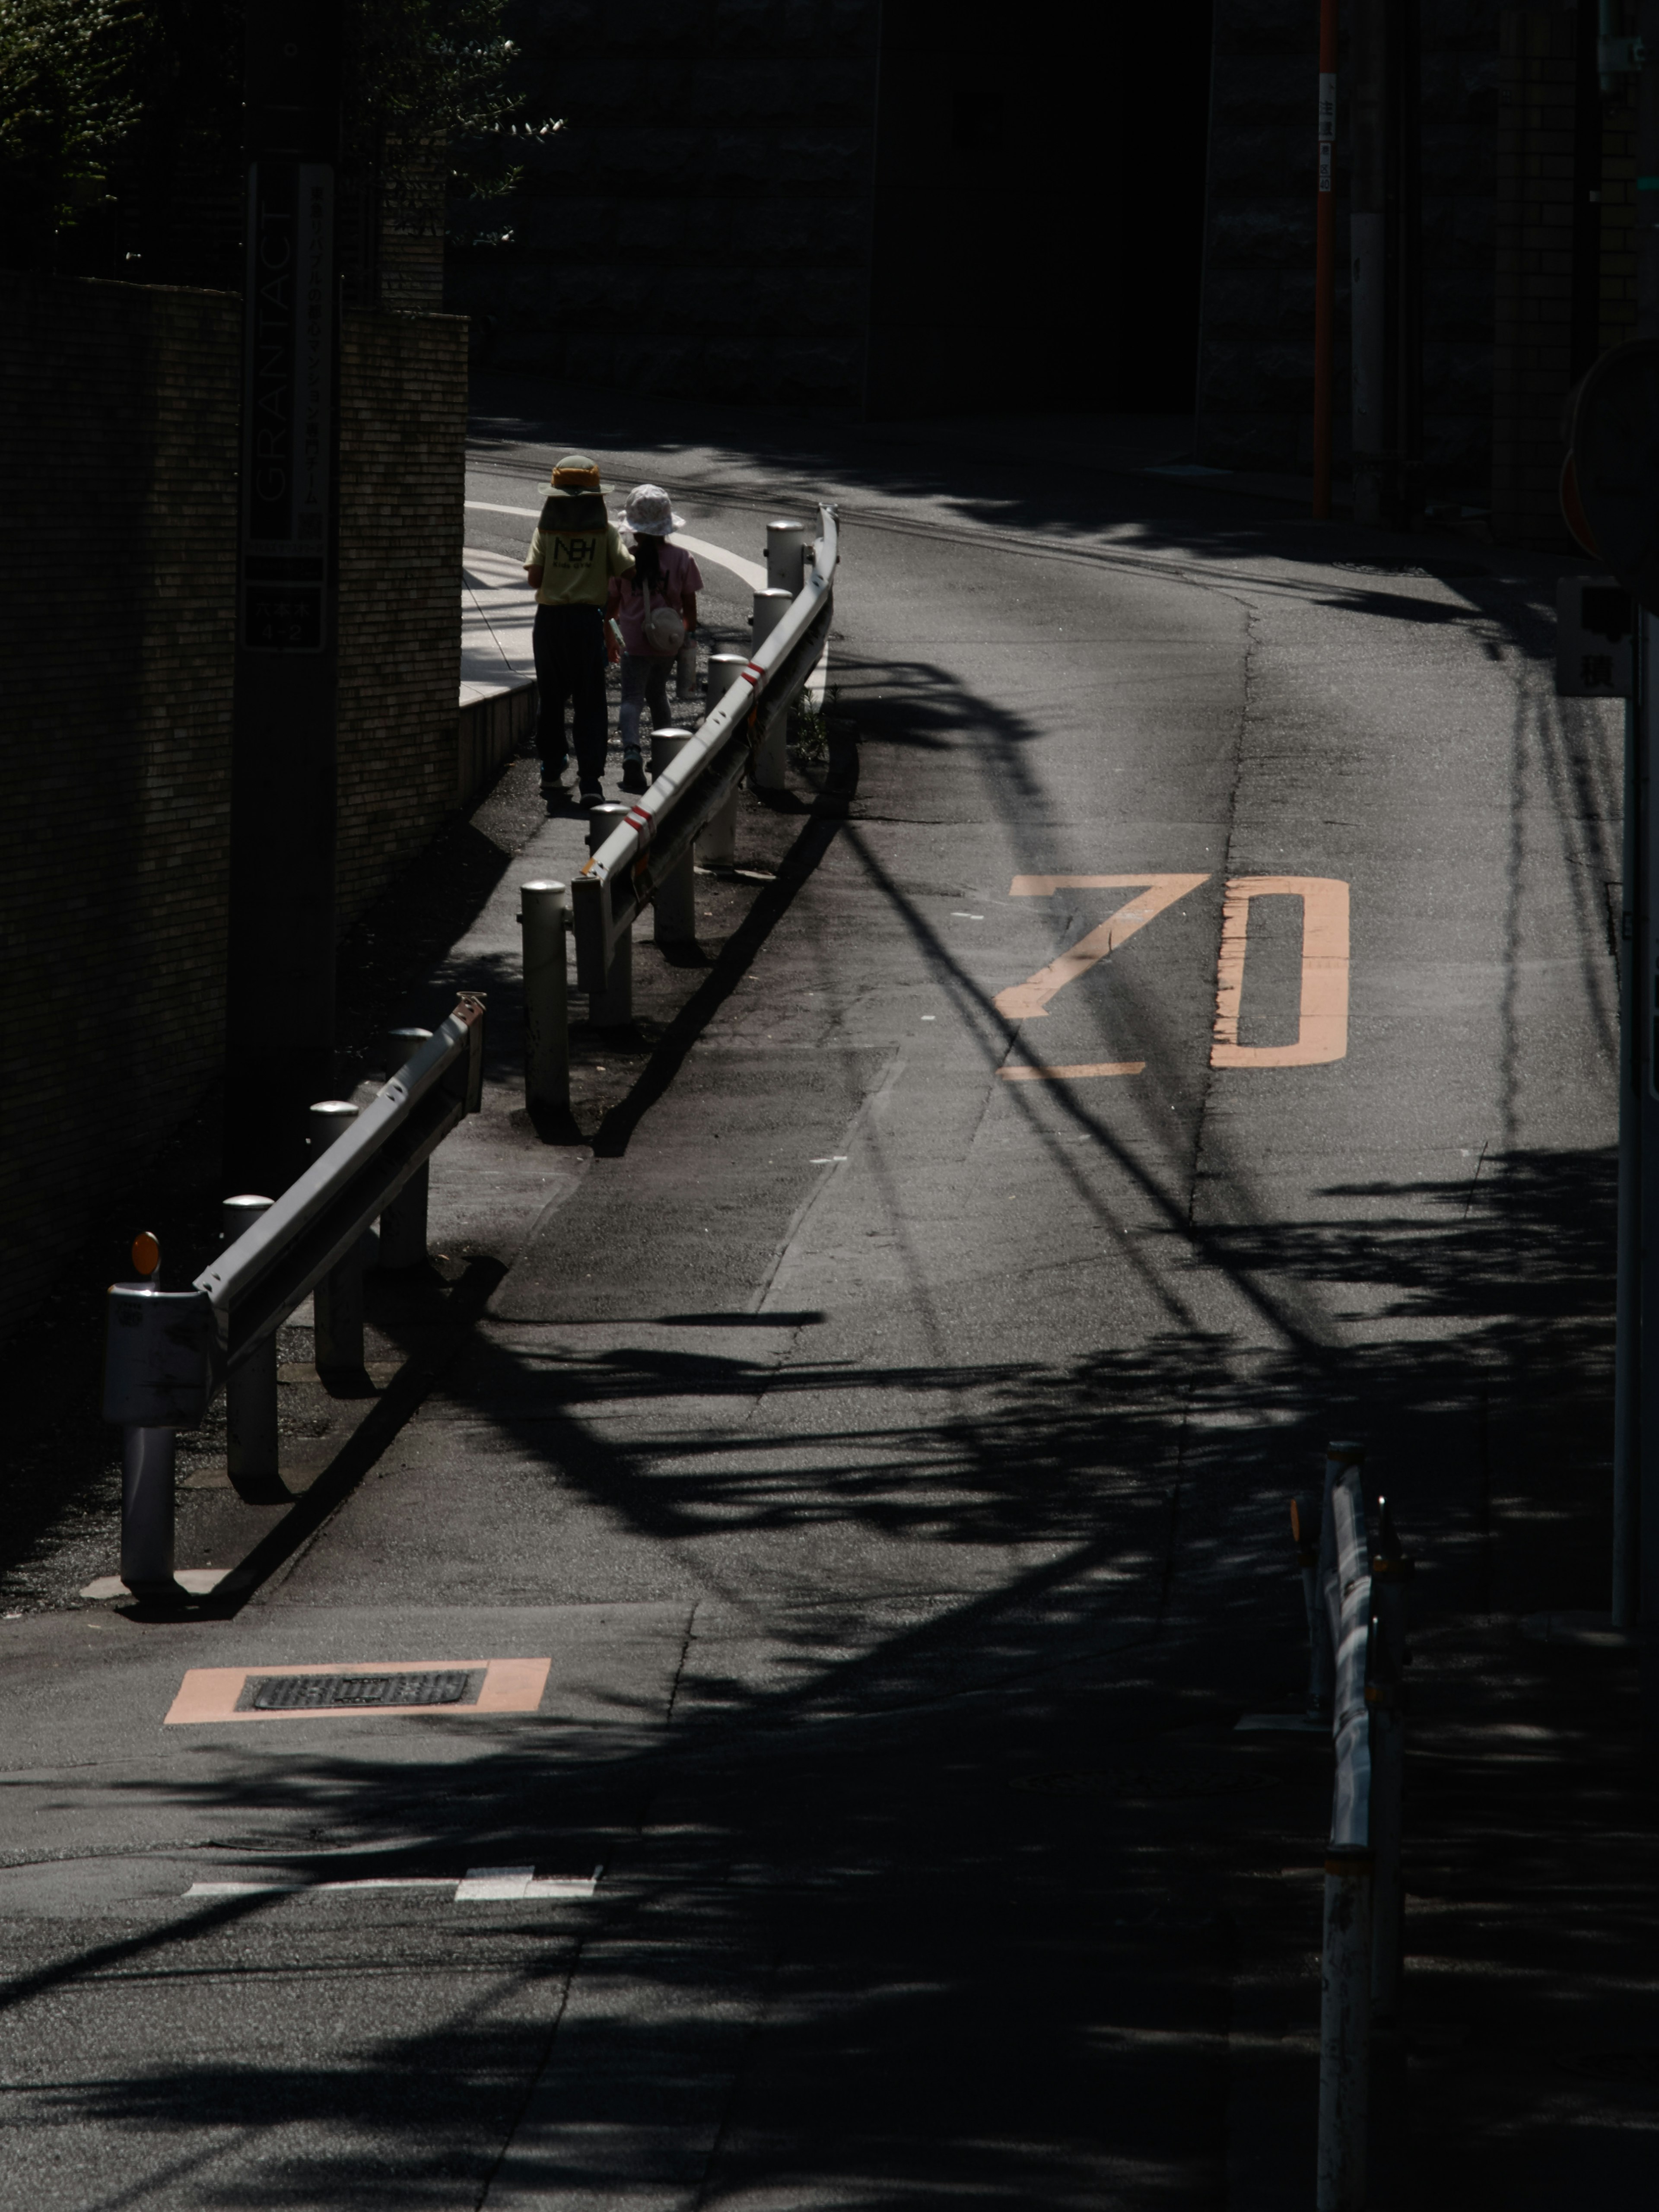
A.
pixel 290 1694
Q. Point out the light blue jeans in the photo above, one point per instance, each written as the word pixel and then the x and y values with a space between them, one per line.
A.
pixel 644 680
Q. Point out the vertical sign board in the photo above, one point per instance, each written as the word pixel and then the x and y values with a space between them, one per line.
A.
pixel 287 408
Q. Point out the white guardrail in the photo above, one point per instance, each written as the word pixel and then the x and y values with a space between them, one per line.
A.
pixel 660 827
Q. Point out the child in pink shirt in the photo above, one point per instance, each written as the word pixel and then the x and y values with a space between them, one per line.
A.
pixel 664 576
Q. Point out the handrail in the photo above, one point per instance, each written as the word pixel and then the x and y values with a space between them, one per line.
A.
pixel 620 877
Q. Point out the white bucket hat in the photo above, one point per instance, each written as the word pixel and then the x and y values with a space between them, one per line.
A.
pixel 649 513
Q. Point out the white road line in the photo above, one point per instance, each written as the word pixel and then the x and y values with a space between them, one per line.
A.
pixel 478 1885
pixel 751 572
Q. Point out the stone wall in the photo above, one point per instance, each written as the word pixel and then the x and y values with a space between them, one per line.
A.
pixel 117 596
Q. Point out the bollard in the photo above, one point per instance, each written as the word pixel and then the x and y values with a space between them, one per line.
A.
pixel 674 902
pixel 611 1007
pixel 771 754
pixel 542 920
pixel 685 669
pixel 785 556
pixel 724 669
pixel 403 1224
pixel 251 1449
pixel 157 1373
pixel 717 841
pixel 1345 1979
pixel 338 1300
pixel 1322 1668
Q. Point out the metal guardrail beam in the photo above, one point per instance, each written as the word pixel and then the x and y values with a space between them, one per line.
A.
pixel 662 824
pixel 256 1283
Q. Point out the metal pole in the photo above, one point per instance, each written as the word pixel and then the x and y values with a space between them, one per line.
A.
pixel 771 755
pixel 542 918
pixel 674 902
pixel 1642 1518
pixel 1627 1371
pixel 685 669
pixel 403 1226
pixel 717 846
pixel 724 670
pixel 1325 267
pixel 785 556
pixel 147 1503
pixel 1345 2030
pixel 251 1440
pixel 338 1300
pixel 611 1007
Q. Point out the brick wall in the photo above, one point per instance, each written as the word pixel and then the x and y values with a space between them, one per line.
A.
pixel 403 430
pixel 120 408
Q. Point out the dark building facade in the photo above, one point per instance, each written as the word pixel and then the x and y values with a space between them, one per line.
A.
pixel 893 207
pixel 888 206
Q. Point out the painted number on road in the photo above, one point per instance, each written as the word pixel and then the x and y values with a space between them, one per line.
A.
pixel 1322 1028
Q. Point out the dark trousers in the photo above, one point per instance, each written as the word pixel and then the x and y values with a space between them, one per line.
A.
pixel 569 646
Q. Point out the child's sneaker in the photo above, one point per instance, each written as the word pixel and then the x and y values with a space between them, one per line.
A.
pixel 633 774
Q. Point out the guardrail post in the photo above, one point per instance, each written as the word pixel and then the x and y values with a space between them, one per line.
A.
pixel 611 1006
pixel 674 901
pixel 785 556
pixel 1390 1572
pixel 771 755
pixel 157 1376
pixel 685 669
pixel 542 916
pixel 1345 1979
pixel 717 843
pixel 403 1226
pixel 338 1300
pixel 250 1444
pixel 1322 1666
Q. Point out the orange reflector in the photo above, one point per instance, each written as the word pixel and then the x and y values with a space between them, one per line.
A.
pixel 146 1254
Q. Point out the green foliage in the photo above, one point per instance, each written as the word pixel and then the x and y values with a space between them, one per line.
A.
pixel 428 79
pixel 129 112
pixel 67 100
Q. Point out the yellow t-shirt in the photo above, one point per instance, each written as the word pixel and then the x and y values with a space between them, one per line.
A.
pixel 578 551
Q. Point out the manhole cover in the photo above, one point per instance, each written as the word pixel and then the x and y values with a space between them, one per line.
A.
pixel 1638 2068
pixel 287 1693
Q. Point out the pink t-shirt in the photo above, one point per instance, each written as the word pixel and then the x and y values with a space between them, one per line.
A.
pixel 680 577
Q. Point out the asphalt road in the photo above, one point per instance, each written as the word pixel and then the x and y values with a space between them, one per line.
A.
pixel 885 1439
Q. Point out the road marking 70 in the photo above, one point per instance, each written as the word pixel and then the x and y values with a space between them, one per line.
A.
pixel 1323 1026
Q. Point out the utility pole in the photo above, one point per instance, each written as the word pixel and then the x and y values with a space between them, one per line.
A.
pixel 280 1019
pixel 1644 951
pixel 1384 225
pixel 1325 266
